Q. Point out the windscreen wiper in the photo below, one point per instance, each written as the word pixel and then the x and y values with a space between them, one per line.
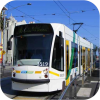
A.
pixel 21 62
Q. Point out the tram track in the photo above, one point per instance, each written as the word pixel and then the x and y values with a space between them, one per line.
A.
pixel 54 96
pixel 37 96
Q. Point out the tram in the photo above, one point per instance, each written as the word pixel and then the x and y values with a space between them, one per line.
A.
pixel 46 57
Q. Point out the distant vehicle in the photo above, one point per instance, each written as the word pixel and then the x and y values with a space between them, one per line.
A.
pixel 46 57
pixel 97 58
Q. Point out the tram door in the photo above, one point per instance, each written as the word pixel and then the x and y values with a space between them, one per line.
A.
pixel 83 60
pixel 86 57
pixel 67 61
pixel 92 57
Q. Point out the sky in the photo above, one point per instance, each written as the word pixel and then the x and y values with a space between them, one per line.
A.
pixel 58 12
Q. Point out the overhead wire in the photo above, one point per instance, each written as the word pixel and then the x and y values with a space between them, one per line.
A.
pixel 52 14
pixel 61 9
pixel 37 15
pixel 91 25
pixel 24 13
pixel 71 18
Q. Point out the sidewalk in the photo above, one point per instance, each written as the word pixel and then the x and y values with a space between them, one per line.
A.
pixel 89 89
pixel 5 72
pixel 87 92
pixel 7 66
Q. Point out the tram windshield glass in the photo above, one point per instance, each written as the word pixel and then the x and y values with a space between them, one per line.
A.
pixel 32 49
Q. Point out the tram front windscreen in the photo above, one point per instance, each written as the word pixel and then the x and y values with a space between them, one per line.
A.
pixel 32 47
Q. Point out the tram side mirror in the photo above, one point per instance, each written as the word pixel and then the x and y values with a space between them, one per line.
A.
pixel 61 42
pixel 60 34
pixel 9 45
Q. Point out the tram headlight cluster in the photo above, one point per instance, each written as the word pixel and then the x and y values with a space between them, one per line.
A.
pixel 13 72
pixel 45 73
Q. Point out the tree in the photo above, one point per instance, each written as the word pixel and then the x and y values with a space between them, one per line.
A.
pixel 96 48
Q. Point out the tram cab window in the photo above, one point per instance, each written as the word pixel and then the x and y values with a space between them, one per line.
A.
pixel 58 54
pixel 32 50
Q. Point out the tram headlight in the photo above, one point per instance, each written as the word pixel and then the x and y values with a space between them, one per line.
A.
pixel 13 72
pixel 46 76
pixel 19 65
pixel 46 73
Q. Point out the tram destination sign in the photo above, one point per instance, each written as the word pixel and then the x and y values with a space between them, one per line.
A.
pixel 33 29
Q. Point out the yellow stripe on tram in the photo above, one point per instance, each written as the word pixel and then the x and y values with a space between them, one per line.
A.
pixel 38 72
pixel 17 71
pixel 67 42
pixel 54 73
pixel 67 62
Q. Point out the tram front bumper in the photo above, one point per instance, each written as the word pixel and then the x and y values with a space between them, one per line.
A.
pixel 39 85
pixel 31 81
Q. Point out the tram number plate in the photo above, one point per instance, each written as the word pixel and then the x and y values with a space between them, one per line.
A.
pixel 61 75
pixel 43 64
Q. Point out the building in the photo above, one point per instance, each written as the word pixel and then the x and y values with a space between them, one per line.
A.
pixel 10 25
pixel 2 13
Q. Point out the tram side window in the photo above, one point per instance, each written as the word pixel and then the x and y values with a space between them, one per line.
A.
pixel 58 55
pixel 75 58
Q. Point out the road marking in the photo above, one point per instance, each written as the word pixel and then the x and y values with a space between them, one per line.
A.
pixel 84 92
pixel 94 81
